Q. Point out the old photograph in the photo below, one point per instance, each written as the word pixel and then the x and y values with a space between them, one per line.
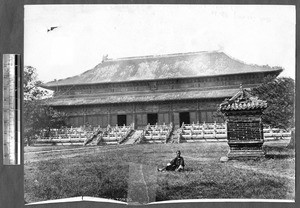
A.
pixel 139 104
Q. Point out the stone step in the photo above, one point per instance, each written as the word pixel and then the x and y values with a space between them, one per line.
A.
pixel 202 140
pixel 154 141
pixel 128 137
pixel 133 137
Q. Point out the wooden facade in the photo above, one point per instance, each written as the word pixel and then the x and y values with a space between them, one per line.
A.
pixel 143 113
pixel 141 101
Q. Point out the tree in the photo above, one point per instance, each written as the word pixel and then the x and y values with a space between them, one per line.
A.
pixel 280 96
pixel 31 89
pixel 38 115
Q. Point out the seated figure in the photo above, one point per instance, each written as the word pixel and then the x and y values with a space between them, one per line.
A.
pixel 177 164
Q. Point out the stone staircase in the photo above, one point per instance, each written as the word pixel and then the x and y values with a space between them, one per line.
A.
pixel 127 138
pixel 173 138
pixel 93 139
pixel 134 137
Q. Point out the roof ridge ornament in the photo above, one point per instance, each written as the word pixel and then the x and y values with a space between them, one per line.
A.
pixel 104 58
pixel 242 100
pixel 243 92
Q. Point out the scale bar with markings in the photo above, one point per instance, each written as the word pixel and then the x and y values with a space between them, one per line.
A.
pixel 11 109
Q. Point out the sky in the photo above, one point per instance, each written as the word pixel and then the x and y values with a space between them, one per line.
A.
pixel 254 34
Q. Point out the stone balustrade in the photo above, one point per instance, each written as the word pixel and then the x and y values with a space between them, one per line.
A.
pixel 116 134
pixel 218 132
pixel 204 131
pixel 195 132
pixel 156 133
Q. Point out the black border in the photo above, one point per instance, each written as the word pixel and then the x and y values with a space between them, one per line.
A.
pixel 12 41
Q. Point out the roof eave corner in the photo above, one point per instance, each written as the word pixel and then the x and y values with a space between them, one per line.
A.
pixel 278 70
pixel 47 87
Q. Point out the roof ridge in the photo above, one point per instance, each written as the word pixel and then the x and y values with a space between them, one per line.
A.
pixel 159 56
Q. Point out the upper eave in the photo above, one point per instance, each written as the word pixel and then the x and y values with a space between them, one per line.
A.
pixel 53 87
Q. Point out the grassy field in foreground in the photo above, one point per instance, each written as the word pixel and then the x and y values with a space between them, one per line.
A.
pixel 120 172
pixel 50 147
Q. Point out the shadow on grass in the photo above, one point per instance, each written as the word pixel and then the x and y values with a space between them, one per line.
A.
pixel 258 188
pixel 55 180
pixel 278 152
pixel 278 156
pixel 188 169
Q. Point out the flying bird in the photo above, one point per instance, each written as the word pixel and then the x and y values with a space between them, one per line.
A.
pixel 51 28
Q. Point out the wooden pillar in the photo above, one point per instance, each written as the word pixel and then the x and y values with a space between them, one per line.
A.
pixel 134 115
pixel 84 115
pixel 171 117
pixel 198 112
pixel 109 116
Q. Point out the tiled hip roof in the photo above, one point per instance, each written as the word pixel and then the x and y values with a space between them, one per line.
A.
pixel 170 66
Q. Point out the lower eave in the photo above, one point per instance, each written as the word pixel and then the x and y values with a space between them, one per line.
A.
pixel 170 96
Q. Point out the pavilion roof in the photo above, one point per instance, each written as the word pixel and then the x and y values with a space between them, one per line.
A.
pixel 182 65
pixel 243 100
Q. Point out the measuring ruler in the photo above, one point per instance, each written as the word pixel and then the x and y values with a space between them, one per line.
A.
pixel 11 109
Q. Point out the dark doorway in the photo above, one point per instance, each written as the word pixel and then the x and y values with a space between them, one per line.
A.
pixel 184 117
pixel 152 118
pixel 121 120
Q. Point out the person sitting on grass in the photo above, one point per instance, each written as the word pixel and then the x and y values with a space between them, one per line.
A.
pixel 177 164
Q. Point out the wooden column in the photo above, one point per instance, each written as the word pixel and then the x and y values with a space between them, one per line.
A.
pixel 171 117
pixel 109 116
pixel 198 112
pixel 84 115
pixel 134 116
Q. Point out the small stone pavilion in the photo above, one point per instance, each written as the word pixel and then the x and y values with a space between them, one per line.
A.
pixel 244 125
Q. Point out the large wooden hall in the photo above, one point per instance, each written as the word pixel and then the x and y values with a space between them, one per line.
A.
pixel 183 87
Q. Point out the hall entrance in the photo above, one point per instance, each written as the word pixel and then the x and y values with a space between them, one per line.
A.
pixel 184 117
pixel 152 118
pixel 121 120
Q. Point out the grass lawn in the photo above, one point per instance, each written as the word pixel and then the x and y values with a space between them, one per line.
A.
pixel 49 148
pixel 128 173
